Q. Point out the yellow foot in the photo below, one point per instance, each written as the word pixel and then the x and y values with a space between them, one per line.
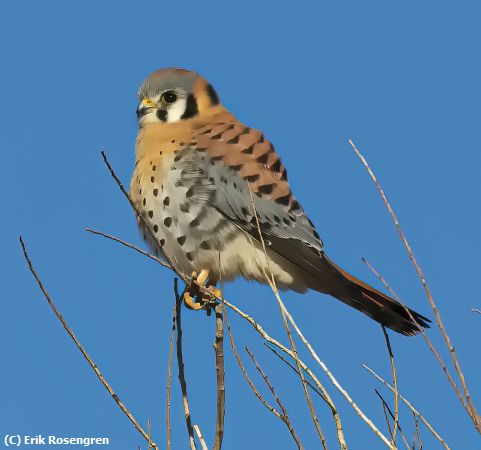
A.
pixel 192 292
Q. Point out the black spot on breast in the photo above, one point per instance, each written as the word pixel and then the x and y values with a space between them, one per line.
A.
pixel 286 221
pixel 190 192
pixel 266 188
pixel 154 167
pixel 194 223
pixel 212 180
pixel 152 179
pixel 277 219
pixel 168 222
pixel 205 245
pixel 189 256
pixel 284 200
pixel 191 108
pixel 166 201
pixel 217 136
pixel 156 228
pixel 212 94
pixel 162 242
pixel 181 240
pixel 151 214
pixel 178 158
pixel 144 201
pixel 184 207
pixel 223 179
pixel 155 192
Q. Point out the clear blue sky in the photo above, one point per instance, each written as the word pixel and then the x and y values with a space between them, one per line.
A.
pixel 400 78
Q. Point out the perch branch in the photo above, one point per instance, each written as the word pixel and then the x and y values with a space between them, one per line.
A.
pixel 82 349
pixel 219 366
pixel 169 378
pixel 180 361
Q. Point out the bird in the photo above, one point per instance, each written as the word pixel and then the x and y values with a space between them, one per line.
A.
pixel 213 199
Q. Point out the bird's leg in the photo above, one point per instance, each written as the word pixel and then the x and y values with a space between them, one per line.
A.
pixel 192 291
pixel 196 299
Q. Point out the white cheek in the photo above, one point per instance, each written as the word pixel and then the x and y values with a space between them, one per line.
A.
pixel 150 117
pixel 176 110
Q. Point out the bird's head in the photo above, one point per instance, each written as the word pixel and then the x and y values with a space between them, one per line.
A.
pixel 173 95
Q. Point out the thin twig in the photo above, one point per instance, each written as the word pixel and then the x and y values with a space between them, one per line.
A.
pixel 244 371
pixel 82 349
pixel 476 310
pixel 285 416
pixel 129 245
pixel 270 279
pixel 148 434
pixel 410 406
pixel 418 434
pixel 314 388
pixel 180 363
pixel 471 410
pixel 169 378
pixel 394 378
pixel 219 367
pixel 387 410
pixel 201 438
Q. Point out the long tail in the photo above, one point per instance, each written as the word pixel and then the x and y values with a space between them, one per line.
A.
pixel 370 301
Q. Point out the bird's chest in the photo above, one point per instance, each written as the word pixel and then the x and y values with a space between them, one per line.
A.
pixel 172 194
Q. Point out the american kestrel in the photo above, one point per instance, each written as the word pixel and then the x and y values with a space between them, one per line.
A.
pixel 199 172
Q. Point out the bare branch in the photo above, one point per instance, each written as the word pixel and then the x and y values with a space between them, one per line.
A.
pixel 244 371
pixel 387 410
pixel 410 406
pixel 394 377
pixel 471 410
pixel 82 349
pixel 219 366
pixel 180 361
pixel 285 416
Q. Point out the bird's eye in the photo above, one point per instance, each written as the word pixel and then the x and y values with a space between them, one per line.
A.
pixel 169 97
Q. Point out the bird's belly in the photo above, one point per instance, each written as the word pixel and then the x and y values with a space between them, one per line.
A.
pixel 191 233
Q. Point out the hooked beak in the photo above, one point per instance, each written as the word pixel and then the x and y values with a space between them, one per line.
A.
pixel 145 106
